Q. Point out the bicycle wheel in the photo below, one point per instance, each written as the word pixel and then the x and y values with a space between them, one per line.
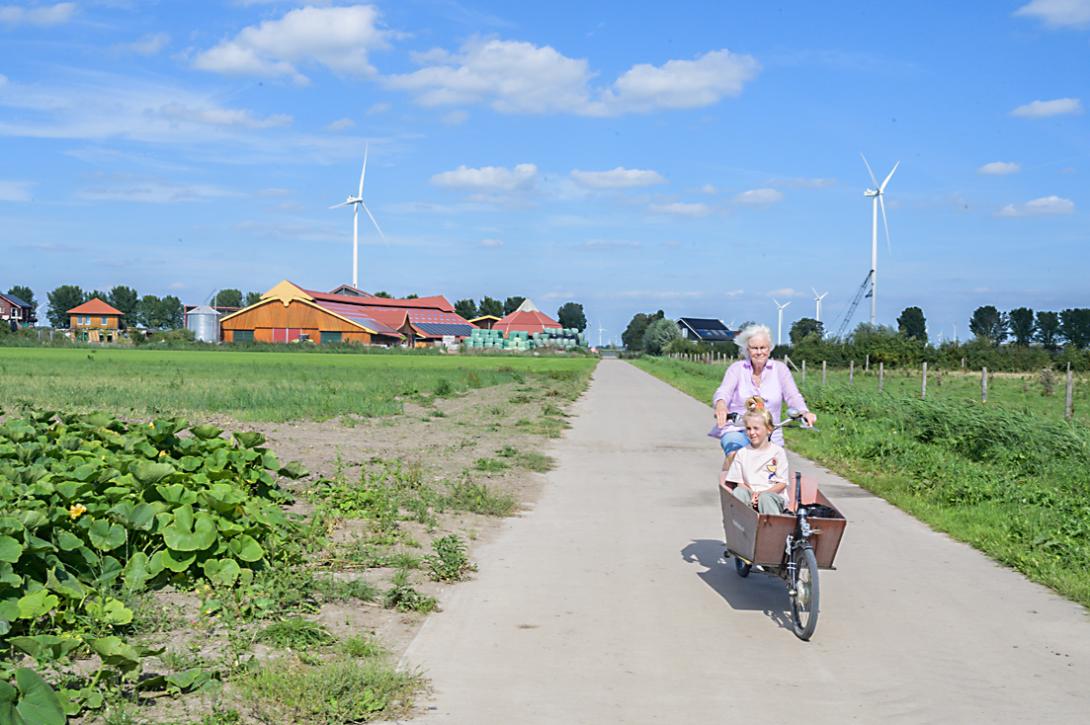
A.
pixel 742 567
pixel 804 602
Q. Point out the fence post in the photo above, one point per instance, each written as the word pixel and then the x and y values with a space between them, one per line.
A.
pixel 804 371
pixel 923 388
pixel 1069 408
pixel 851 373
pixel 822 372
pixel 881 375
pixel 962 363
pixel 866 364
pixel 984 385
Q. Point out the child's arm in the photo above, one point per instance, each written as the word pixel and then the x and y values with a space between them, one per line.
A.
pixel 735 474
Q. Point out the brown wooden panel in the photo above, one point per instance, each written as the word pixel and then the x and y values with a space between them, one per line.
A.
pixel 295 315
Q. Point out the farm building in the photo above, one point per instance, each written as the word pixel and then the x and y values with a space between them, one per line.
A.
pixel 485 322
pixel 15 312
pixel 288 313
pixel 704 329
pixel 95 321
pixel 527 318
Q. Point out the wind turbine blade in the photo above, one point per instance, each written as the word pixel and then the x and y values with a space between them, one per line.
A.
pixel 885 222
pixel 891 173
pixel 363 171
pixel 814 291
pixel 338 206
pixel 872 178
pixel 776 301
pixel 372 216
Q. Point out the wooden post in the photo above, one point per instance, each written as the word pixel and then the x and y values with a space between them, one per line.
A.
pixel 1069 408
pixel 866 364
pixel 804 371
pixel 851 373
pixel 881 375
pixel 984 385
pixel 923 385
pixel 963 363
pixel 822 372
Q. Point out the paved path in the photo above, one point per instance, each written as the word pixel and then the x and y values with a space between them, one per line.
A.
pixel 608 603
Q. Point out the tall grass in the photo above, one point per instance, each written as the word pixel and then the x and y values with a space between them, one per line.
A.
pixel 1010 480
pixel 253 386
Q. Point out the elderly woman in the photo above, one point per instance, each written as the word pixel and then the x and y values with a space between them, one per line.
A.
pixel 756 375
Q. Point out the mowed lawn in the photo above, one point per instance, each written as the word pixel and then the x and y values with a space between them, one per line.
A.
pixel 257 386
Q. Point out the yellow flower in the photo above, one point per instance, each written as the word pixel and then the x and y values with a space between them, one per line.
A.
pixel 76 510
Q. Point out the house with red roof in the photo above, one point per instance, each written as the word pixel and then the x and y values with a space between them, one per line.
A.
pixel 95 321
pixel 290 313
pixel 527 318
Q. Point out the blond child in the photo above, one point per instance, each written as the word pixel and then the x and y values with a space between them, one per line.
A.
pixel 759 471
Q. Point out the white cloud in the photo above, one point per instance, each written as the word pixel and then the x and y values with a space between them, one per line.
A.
pixel 999 168
pixel 216 116
pixel 454 118
pixel 1044 109
pixel 709 189
pixel 338 38
pixel 146 45
pixel 15 190
pixel 380 107
pixel 519 77
pixel 786 292
pixel 1045 205
pixel 492 243
pixel 488 178
pixel 154 191
pixel 610 244
pixel 618 178
pixel 661 295
pixel 39 15
pixel 1058 13
pixel 759 197
pixel 341 124
pixel 802 182
pixel 681 208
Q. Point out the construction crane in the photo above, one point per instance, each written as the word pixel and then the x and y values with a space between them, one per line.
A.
pixel 862 292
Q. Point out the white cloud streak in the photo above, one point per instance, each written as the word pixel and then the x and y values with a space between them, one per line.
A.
pixel 618 178
pixel 341 124
pixel 1045 109
pixel 681 208
pixel 487 178
pixel 1058 13
pixel 15 191
pixel 42 15
pixel 147 45
pixel 153 191
pixel 999 168
pixel 1043 206
pixel 759 197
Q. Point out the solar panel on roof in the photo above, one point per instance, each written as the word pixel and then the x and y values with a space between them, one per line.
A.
pixel 436 328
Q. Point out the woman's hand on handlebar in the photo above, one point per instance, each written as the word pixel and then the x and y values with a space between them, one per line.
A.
pixel 809 418
pixel 721 413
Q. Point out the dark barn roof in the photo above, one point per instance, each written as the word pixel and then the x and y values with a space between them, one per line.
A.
pixel 706 329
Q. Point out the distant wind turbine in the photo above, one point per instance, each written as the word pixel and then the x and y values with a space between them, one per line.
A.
pixel 600 331
pixel 817 301
pixel 877 196
pixel 356 202
pixel 779 324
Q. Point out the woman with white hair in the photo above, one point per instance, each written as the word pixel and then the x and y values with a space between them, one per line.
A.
pixel 756 375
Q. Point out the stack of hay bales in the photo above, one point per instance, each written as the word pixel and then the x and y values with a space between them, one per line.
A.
pixel 521 341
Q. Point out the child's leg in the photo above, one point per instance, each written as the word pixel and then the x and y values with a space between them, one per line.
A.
pixel 770 503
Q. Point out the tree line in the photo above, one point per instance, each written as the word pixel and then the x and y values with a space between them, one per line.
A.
pixel 570 314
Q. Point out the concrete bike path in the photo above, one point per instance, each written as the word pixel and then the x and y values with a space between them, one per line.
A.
pixel 609 603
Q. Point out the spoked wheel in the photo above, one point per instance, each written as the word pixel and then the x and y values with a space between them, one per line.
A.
pixel 742 567
pixel 804 602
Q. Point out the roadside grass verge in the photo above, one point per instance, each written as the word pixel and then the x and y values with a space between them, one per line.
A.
pixel 1013 484
pixel 262 386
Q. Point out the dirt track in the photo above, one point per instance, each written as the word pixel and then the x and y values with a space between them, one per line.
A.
pixel 609 603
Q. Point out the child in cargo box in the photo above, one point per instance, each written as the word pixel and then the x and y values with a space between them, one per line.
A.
pixel 759 471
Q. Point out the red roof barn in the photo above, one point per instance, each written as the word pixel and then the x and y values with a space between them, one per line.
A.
pixel 527 318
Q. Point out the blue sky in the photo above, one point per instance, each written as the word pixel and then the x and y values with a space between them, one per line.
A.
pixel 699 157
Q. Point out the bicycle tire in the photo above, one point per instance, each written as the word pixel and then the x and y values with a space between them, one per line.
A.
pixel 805 600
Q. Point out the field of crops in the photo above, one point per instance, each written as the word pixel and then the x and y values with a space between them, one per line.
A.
pixel 265 386
pixel 1010 477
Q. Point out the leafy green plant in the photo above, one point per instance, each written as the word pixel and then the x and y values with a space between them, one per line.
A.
pixel 404 598
pixel 450 562
pixel 295 633
pixel 467 495
pixel 490 465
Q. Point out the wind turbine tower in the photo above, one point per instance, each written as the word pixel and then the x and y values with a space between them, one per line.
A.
pixel 877 196
pixel 356 202
pixel 600 331
pixel 817 303
pixel 779 324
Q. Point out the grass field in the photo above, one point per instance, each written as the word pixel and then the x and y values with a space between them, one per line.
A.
pixel 1009 477
pixel 252 386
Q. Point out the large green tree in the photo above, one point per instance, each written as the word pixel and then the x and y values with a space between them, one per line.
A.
pixel 126 300
pixel 170 312
pixel 804 328
pixel 990 324
pixel 252 298
pixel 61 300
pixel 490 306
pixel 26 295
pixel 1075 325
pixel 512 303
pixel 1022 326
pixel 571 314
pixel 1048 329
pixel 659 334
pixel 912 324
pixel 632 337
pixel 228 298
pixel 147 311
pixel 466 308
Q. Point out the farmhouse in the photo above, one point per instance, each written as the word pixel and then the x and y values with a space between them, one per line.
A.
pixel 95 321
pixel 15 312
pixel 527 318
pixel 704 329
pixel 289 313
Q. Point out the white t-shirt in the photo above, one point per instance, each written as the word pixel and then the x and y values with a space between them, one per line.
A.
pixel 760 469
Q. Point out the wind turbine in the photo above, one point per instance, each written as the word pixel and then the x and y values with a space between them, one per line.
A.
pixel 877 196
pixel 817 302
pixel 600 331
pixel 356 202
pixel 779 324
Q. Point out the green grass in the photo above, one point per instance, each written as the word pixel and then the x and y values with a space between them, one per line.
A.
pixel 1007 477
pixel 268 386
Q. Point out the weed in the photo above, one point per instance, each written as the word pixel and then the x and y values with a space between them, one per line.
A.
pixel 443 388
pixel 404 598
pixel 490 465
pixel 295 633
pixel 535 461
pixel 359 646
pixel 449 563
pixel 478 498
pixel 339 590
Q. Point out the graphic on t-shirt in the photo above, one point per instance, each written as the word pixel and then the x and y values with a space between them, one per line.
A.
pixel 771 468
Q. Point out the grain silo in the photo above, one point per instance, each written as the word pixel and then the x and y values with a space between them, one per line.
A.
pixel 204 322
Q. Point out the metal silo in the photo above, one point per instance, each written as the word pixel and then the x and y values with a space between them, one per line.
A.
pixel 205 323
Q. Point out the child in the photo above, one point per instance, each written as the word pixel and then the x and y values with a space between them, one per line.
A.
pixel 760 469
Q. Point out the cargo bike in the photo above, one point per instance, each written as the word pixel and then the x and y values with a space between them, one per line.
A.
pixel 792 546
